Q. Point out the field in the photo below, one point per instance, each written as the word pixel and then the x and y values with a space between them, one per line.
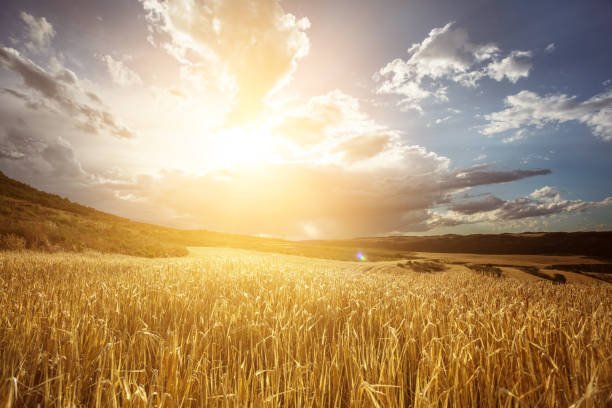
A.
pixel 228 327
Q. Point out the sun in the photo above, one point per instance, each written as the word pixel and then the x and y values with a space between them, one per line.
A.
pixel 234 147
pixel 239 146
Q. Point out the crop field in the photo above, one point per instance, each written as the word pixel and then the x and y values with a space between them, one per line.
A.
pixel 228 327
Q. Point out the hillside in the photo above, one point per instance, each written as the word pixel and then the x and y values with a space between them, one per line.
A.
pixel 33 219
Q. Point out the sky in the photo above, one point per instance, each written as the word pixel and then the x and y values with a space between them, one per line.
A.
pixel 314 119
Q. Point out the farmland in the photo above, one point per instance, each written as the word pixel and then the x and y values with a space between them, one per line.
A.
pixel 229 327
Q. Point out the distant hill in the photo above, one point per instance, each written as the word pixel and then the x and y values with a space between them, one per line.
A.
pixel 597 244
pixel 34 219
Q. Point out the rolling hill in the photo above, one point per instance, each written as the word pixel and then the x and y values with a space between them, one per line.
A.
pixel 33 219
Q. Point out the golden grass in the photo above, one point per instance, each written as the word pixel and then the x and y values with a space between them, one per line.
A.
pixel 233 328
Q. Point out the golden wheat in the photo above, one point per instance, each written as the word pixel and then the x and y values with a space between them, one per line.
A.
pixel 233 328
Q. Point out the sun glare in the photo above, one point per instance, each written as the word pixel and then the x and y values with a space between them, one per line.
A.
pixel 239 146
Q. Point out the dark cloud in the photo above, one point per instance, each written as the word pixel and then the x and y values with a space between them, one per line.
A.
pixel 543 202
pixel 61 159
pixel 472 178
pixel 525 207
pixel 488 204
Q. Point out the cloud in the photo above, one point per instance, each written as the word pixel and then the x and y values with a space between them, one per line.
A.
pixel 447 54
pixel 311 123
pixel 546 193
pixel 364 147
pixel 39 32
pixel 250 47
pixel 333 127
pixel 60 92
pixel 543 202
pixel 480 176
pixel 516 136
pixel 120 73
pixel 335 201
pixel 550 47
pixel 527 108
pixel 39 159
pixel 371 184
pixel 514 67
pixel 472 207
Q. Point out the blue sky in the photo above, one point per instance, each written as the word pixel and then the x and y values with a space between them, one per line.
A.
pixel 315 119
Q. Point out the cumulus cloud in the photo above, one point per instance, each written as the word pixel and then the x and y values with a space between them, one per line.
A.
pixel 40 159
pixel 120 73
pixel 312 123
pixel 447 54
pixel 527 108
pixel 61 93
pixel 39 32
pixel 543 202
pixel 514 67
pixel 546 193
pixel 334 126
pixel 251 47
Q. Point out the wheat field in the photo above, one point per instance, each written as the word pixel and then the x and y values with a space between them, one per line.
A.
pixel 236 328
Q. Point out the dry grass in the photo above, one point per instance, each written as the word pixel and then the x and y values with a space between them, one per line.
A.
pixel 233 328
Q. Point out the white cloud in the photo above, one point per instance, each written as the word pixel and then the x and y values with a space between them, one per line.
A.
pixel 120 73
pixel 250 47
pixel 547 193
pixel 38 31
pixel 333 128
pixel 447 54
pixel 526 108
pixel 550 47
pixel 516 136
pixel 514 67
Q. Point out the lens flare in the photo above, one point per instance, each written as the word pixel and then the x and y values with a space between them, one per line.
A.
pixel 361 256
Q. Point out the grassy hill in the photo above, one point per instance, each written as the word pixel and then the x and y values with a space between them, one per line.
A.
pixel 33 219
